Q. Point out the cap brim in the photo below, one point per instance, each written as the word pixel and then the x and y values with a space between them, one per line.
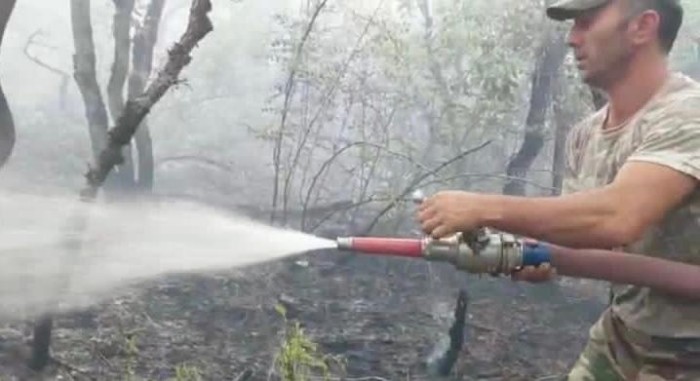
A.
pixel 570 9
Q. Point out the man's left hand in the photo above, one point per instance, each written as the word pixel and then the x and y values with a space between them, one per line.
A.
pixel 450 212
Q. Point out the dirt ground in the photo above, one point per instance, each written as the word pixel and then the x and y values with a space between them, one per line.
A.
pixel 385 317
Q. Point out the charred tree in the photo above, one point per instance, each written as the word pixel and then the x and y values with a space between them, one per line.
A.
pixel 130 176
pixel 128 121
pixel 443 364
pixel 144 43
pixel 85 75
pixel 7 125
pixel 121 27
pixel 550 57
pixel 562 125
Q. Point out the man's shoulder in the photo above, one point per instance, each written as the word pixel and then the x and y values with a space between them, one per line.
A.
pixel 681 101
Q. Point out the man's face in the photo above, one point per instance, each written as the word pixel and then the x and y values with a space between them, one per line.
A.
pixel 600 44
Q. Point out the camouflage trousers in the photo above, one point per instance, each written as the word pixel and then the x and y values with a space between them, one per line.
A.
pixel 617 353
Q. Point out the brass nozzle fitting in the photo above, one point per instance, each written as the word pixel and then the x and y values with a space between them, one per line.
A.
pixel 491 253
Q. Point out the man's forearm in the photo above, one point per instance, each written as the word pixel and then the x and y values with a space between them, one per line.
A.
pixel 590 219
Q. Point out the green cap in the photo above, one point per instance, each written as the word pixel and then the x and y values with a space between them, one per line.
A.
pixel 568 9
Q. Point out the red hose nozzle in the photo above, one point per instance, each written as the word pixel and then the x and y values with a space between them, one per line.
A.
pixel 402 247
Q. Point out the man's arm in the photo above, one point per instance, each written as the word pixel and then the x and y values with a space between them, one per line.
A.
pixel 611 216
pixel 607 217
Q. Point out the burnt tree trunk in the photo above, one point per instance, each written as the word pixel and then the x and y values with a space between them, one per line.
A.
pixel 562 122
pixel 121 27
pixel 85 75
pixel 550 58
pixel 7 125
pixel 144 44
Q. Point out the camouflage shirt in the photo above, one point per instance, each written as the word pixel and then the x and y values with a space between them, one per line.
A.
pixel 665 131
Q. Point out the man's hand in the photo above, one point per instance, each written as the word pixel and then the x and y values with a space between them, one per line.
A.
pixel 451 212
pixel 542 273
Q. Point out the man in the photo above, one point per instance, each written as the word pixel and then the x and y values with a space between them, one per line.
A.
pixel 631 184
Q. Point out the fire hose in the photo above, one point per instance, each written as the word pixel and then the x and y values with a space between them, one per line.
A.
pixel 497 253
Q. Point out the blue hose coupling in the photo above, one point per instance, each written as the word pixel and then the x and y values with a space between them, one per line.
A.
pixel 536 253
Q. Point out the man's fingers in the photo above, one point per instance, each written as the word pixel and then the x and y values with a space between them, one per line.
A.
pixel 430 225
pixel 440 232
pixel 534 274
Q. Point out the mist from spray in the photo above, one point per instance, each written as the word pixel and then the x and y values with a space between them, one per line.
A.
pixel 58 253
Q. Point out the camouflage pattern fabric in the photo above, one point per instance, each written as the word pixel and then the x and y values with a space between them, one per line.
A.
pixel 666 131
pixel 616 353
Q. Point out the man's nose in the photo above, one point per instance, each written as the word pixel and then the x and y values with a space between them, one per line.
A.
pixel 573 39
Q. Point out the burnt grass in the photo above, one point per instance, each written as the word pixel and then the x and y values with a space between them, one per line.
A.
pixel 384 317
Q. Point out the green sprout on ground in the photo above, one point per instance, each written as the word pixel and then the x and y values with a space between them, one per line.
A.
pixel 187 373
pixel 298 357
pixel 132 352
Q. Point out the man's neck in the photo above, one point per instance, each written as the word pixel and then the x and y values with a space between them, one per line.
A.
pixel 637 86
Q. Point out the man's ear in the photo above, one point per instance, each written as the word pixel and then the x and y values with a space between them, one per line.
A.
pixel 644 28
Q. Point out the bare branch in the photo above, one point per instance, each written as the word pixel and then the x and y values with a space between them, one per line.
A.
pixel 355 205
pixel 288 89
pixel 327 98
pixel 444 180
pixel 65 76
pixel 325 166
pixel 417 180
pixel 32 41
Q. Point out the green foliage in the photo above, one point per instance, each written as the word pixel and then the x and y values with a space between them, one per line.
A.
pixel 184 372
pixel 426 79
pixel 131 350
pixel 298 358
